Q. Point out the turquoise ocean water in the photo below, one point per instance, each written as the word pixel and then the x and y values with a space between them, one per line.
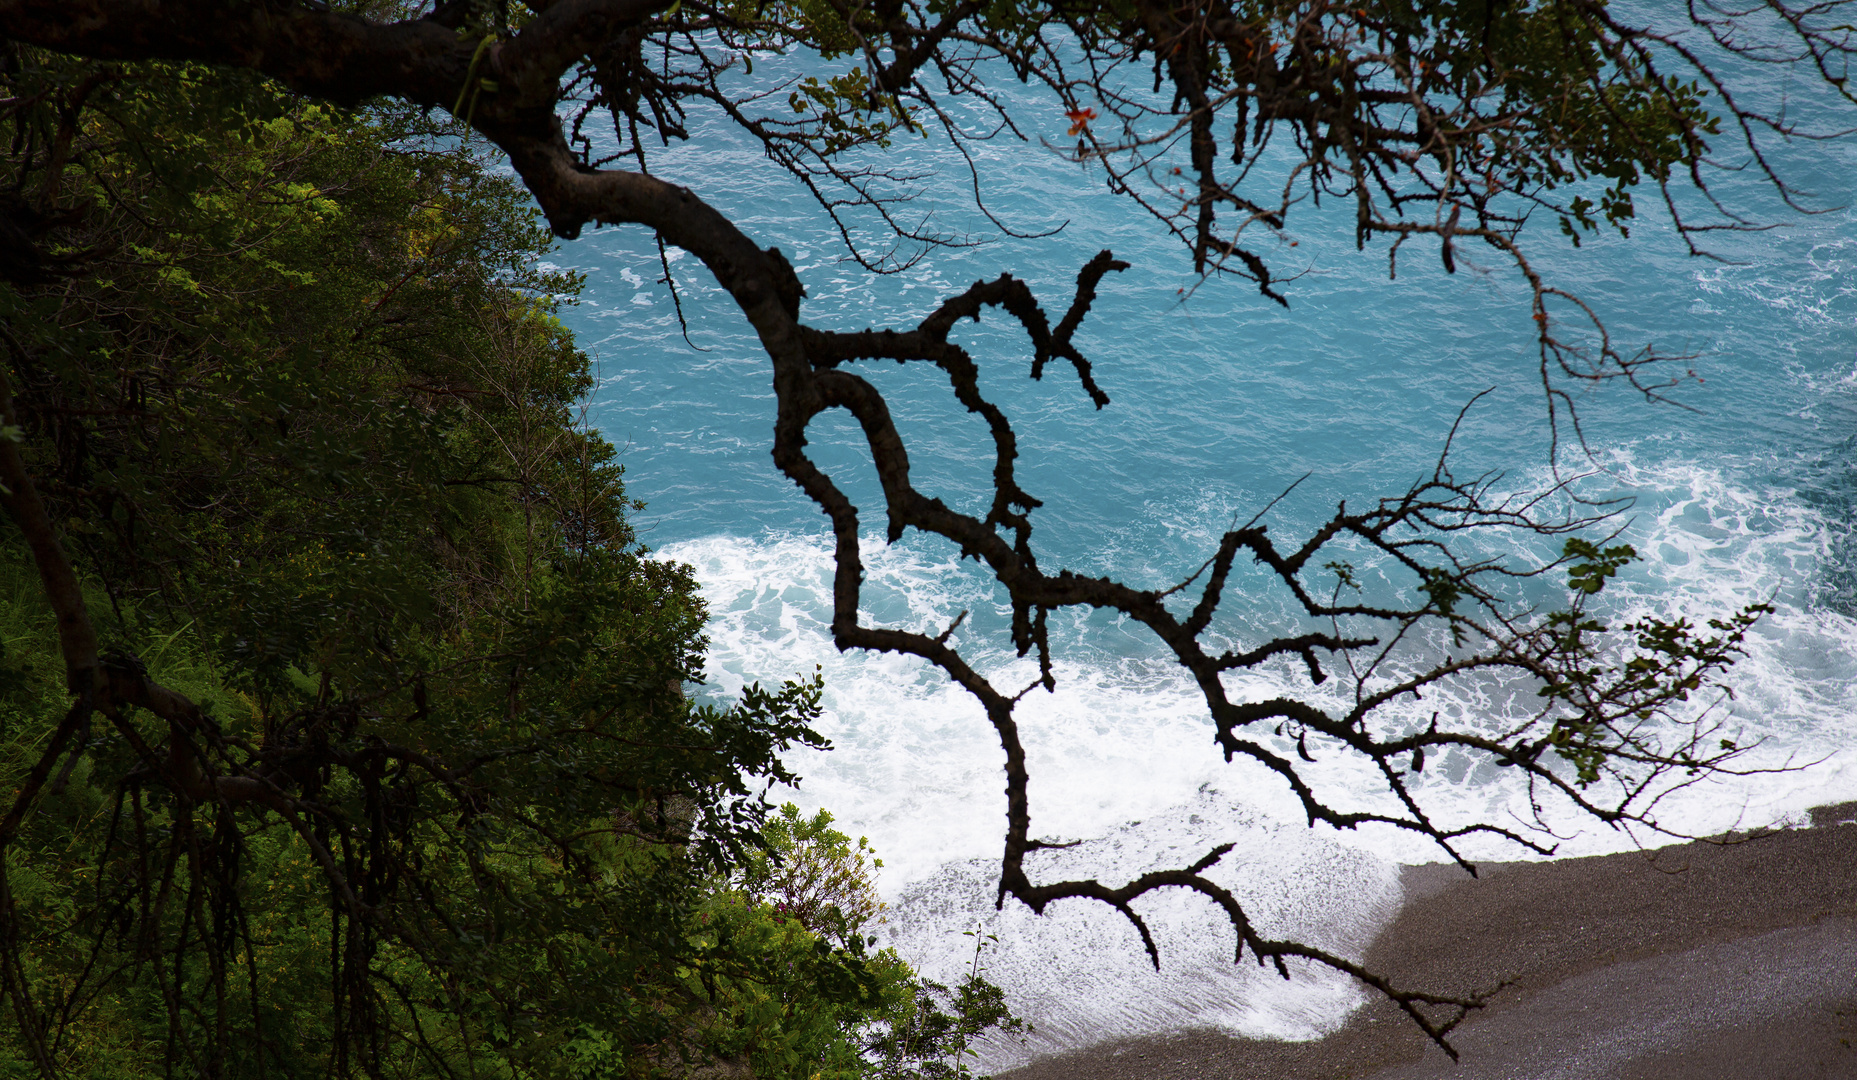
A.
pixel 1221 399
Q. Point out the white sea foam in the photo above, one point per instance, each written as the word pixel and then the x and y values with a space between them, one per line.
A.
pixel 1080 970
pixel 1122 753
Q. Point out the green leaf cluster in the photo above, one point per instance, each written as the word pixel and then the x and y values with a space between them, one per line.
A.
pixel 1610 700
pixel 810 898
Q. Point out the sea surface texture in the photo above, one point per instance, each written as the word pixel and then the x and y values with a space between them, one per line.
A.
pixel 1741 492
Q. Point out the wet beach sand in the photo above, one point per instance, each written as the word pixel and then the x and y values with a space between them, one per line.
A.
pixel 1703 961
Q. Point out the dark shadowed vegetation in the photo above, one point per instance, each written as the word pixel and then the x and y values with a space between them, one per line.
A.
pixel 356 742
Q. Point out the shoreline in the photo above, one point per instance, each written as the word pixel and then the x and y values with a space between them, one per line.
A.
pixel 1733 959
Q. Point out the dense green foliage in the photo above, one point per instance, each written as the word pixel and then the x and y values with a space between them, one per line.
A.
pixel 289 381
pixel 810 891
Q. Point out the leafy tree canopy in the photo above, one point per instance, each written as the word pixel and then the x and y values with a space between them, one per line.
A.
pixel 356 741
